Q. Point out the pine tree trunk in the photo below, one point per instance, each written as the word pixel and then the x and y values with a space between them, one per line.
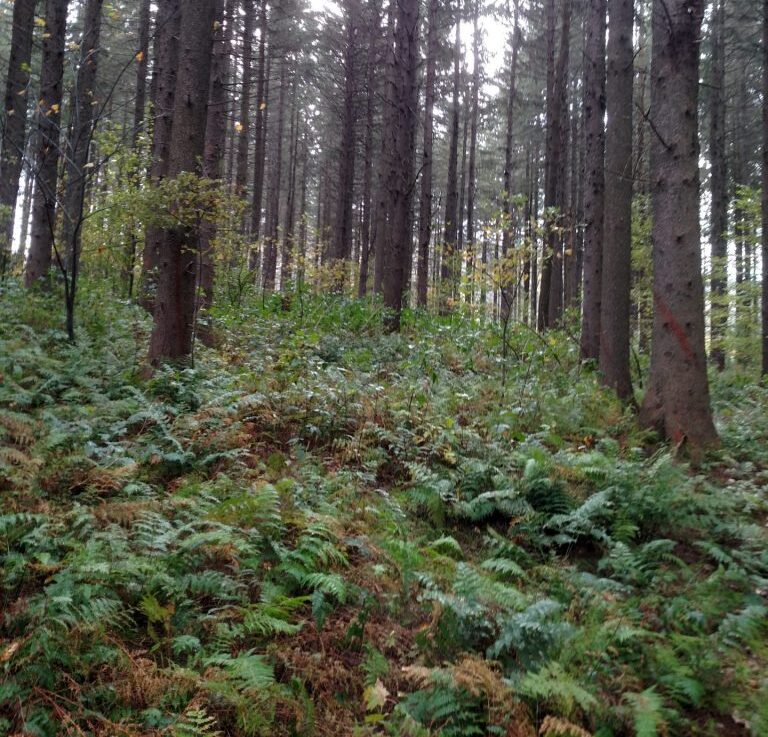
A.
pixel 84 100
pixel 765 195
pixel 166 57
pixel 677 399
pixel 506 285
pixel 172 337
pixel 16 103
pixel 48 133
pixel 260 132
pixel 286 266
pixel 425 200
pixel 472 173
pixel 244 130
pixel 718 222
pixel 448 265
pixel 617 251
pixel 594 178
pixel 403 143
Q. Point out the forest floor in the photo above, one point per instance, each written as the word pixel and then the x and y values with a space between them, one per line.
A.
pixel 323 529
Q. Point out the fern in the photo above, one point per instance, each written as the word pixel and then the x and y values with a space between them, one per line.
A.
pixel 196 722
pixel 647 712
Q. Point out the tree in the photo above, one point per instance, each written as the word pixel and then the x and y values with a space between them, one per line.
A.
pixel 617 250
pixel 472 174
pixel 425 199
pixel 403 143
pixel 765 194
pixel 166 59
pixel 15 106
pixel 594 178
pixel 77 151
pixel 677 400
pixel 48 131
pixel 174 312
pixel 244 124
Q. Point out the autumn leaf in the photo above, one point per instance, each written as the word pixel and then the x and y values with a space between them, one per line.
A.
pixel 376 696
pixel 140 57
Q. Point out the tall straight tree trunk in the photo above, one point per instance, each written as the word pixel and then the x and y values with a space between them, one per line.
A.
pixel 166 59
pixel 286 265
pixel 425 199
pixel 78 148
pixel 472 173
pixel 594 178
pixel 260 128
pixel 15 105
pixel 382 223
pixel 213 157
pixel 302 239
pixel 677 399
pixel 765 194
pixel 617 251
pixel 370 92
pixel 506 285
pixel 244 130
pixel 448 266
pixel 48 133
pixel 342 233
pixel 403 142
pixel 272 225
pixel 718 221
pixel 172 337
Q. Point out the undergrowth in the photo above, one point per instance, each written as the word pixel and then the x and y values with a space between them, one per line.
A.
pixel 324 529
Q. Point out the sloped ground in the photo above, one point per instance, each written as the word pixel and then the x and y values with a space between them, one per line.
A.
pixel 326 530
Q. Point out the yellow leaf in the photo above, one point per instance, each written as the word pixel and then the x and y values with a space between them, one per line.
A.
pixel 140 57
pixel 40 22
pixel 263 106
pixel 238 127
pixel 376 696
pixel 55 107
pixel 46 35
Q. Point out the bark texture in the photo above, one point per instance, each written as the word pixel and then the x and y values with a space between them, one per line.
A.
pixel 677 400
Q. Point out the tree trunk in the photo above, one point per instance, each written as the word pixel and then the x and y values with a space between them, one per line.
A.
pixel 617 252
pixel 16 103
pixel 765 194
pixel 77 151
pixel 272 224
pixel 718 222
pixel 213 157
pixel 174 315
pixel 403 143
pixel 244 129
pixel 166 58
pixel 677 400
pixel 594 179
pixel 472 173
pixel 342 232
pixel 506 284
pixel 448 265
pixel 48 132
pixel 286 265
pixel 261 130
pixel 425 200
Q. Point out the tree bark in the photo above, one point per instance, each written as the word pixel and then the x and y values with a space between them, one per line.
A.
pixel 594 178
pixel 765 195
pixel 403 142
pixel 48 132
pixel 677 399
pixel 260 132
pixel 425 199
pixel 472 172
pixel 718 223
pixel 244 130
pixel 166 59
pixel 448 265
pixel 617 251
pixel 16 103
pixel 77 152
pixel 172 337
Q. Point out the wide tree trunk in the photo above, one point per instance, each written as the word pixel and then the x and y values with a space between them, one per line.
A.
pixel 594 178
pixel 617 251
pixel 15 106
pixel 425 199
pixel 472 171
pixel 244 128
pixel 48 133
pixel 174 314
pixel 718 219
pixel 677 400
pixel 166 59
pixel 84 100
pixel 449 266
pixel 403 142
